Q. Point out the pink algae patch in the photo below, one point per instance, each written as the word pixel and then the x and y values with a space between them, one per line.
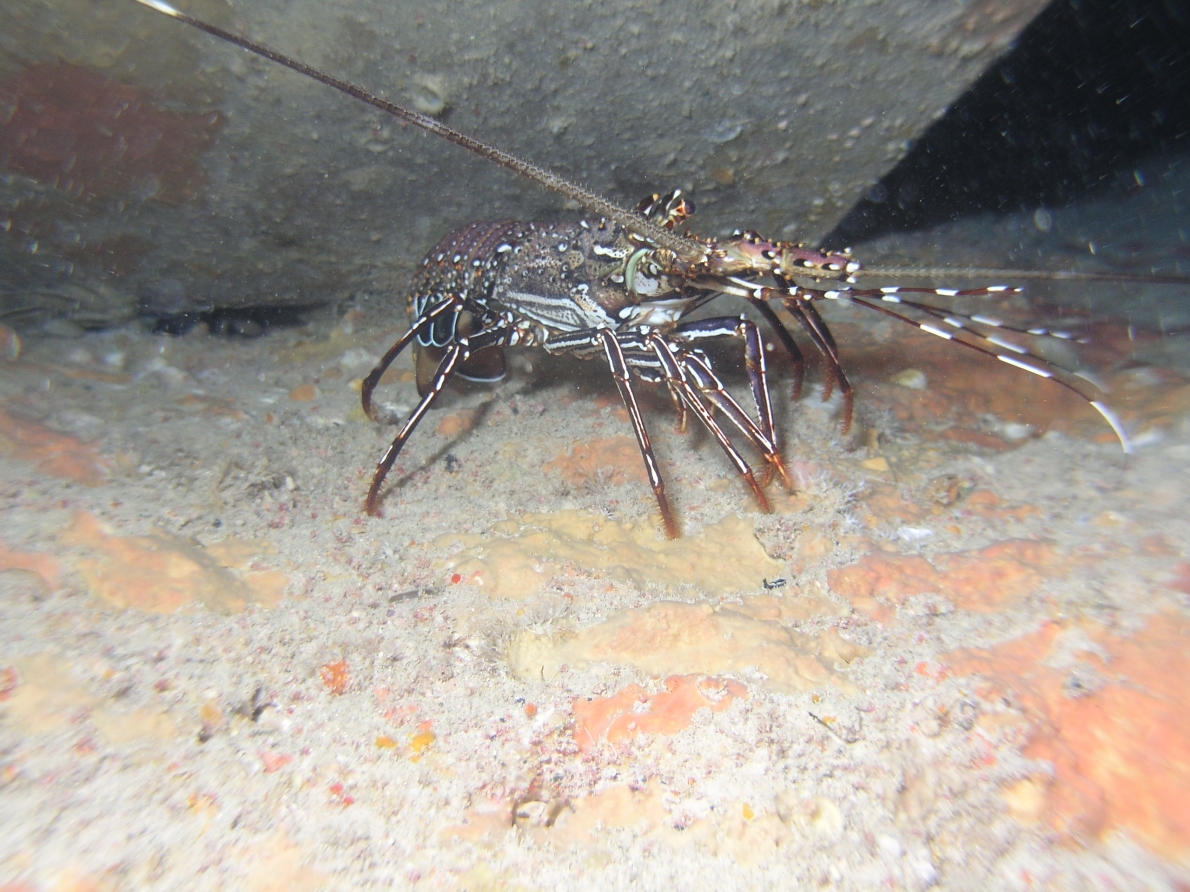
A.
pixel 42 695
pixel 612 459
pixel 66 879
pixel 986 580
pixel 39 563
pixel 163 573
pixel 965 388
pixel 1181 579
pixel 77 130
pixel 633 711
pixel 53 453
pixel 617 806
pixel 1120 753
pixel 274 761
pixel 488 822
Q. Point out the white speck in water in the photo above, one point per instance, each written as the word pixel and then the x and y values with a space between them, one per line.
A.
pixel 724 131
pixel 889 845
pixel 913 534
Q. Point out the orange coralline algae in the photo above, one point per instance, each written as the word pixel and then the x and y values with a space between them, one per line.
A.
pixel 1120 751
pixel 633 711
pixel 162 573
pixel 883 501
pixel 456 423
pixel 212 405
pixel 614 459
pixel 8 681
pixel 335 676
pixel 93 137
pixel 984 580
pixel 999 575
pixel 1181 580
pixel 50 452
pixel 420 742
pixel 274 864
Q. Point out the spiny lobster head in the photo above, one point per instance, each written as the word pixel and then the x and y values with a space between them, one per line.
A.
pixel 746 252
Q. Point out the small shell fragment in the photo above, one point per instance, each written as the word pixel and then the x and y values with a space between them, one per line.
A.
pixel 429 94
pixel 914 379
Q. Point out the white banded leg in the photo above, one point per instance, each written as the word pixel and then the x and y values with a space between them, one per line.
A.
pixel 452 304
pixel 763 435
pixel 798 301
pixel 456 354
pixel 623 377
pixel 741 328
pixel 796 360
pixel 674 372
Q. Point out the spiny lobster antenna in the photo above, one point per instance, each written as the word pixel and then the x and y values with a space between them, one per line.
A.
pixel 931 272
pixel 685 248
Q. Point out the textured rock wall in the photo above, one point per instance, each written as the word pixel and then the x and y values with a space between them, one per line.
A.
pixel 148 168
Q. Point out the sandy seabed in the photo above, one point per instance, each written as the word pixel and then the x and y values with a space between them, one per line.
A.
pixel 954 657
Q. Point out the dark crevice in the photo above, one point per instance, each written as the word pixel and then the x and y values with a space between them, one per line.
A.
pixel 243 322
pixel 1090 89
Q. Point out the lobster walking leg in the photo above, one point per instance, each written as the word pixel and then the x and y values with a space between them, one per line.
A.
pixel 795 354
pixel 675 374
pixel 456 354
pixel 700 372
pixel 422 322
pixel 620 371
pixel 816 328
pixel 797 301
pixel 446 370
pixel 763 435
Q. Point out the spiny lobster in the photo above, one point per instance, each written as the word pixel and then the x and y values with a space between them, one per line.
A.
pixel 621 287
